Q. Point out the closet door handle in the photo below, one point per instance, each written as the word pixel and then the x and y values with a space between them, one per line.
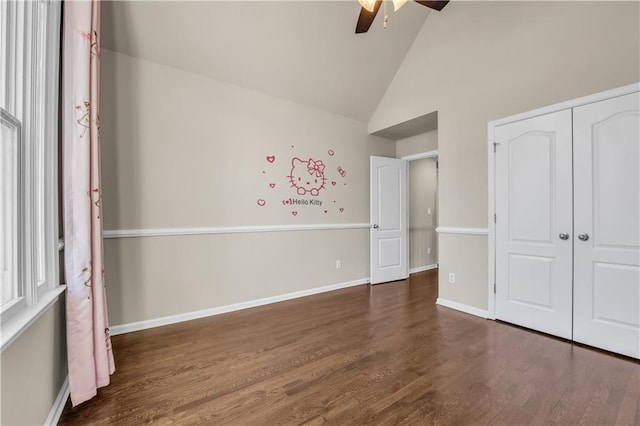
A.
pixel 564 236
pixel 583 237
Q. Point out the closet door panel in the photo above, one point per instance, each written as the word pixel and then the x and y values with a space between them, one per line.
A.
pixel 533 206
pixel 607 215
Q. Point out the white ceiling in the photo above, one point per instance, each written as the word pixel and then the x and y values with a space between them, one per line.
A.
pixel 305 51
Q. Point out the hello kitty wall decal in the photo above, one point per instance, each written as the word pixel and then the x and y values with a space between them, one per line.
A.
pixel 307 177
pixel 305 181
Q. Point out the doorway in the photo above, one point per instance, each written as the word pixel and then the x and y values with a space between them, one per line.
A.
pixel 423 211
pixel 416 143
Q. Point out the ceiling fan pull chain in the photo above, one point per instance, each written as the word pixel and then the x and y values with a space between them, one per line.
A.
pixel 386 17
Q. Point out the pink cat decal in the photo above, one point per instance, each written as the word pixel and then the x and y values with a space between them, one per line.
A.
pixel 307 176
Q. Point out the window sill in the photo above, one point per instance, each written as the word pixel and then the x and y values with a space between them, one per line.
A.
pixel 19 323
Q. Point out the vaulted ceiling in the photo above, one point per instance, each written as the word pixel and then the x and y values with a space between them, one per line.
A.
pixel 305 51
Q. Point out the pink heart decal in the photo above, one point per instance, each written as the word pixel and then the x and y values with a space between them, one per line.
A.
pixel 261 202
pixel 341 209
pixel 333 183
pixel 271 158
pixel 273 185
pixel 330 152
pixel 294 213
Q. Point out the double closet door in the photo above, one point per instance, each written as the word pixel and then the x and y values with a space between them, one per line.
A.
pixel 567 208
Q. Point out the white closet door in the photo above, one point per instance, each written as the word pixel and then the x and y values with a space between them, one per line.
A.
pixel 533 228
pixel 607 217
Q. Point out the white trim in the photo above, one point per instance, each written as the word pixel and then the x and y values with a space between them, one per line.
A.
pixel 421 155
pixel 58 405
pixel 464 231
pixel 187 316
pixel 51 140
pixel 491 253
pixel 12 226
pixel 597 97
pixel 21 321
pixel 127 233
pixel 462 308
pixel 423 268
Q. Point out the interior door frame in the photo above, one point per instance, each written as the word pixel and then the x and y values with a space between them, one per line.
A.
pixel 409 158
pixel 608 94
pixel 421 155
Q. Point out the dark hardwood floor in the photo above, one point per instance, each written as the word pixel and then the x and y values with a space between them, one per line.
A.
pixel 382 354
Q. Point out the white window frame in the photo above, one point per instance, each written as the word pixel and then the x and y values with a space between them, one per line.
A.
pixel 29 93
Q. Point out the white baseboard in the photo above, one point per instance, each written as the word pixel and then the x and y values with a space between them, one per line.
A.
pixel 423 268
pixel 58 405
pixel 462 308
pixel 187 316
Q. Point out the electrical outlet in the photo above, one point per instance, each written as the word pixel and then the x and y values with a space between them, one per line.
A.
pixel 338 264
pixel 452 277
pixel 428 250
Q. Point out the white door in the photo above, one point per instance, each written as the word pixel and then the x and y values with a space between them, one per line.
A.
pixel 389 244
pixel 607 216
pixel 534 223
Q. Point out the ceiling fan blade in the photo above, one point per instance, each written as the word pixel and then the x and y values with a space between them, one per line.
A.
pixel 434 4
pixel 366 18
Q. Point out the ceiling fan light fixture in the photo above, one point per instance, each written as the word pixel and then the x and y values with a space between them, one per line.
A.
pixel 397 4
pixel 370 9
pixel 368 4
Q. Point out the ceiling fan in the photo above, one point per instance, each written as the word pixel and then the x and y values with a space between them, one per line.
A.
pixel 370 10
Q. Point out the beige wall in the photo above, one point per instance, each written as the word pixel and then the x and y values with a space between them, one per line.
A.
pixel 479 61
pixel 182 150
pixel 33 369
pixel 161 276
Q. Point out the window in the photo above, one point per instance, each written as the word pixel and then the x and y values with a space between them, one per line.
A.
pixel 29 256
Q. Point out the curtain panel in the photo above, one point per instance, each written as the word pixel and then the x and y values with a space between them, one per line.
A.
pixel 90 357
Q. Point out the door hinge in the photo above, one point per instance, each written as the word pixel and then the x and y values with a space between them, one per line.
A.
pixel 495 218
pixel 495 146
pixel 494 288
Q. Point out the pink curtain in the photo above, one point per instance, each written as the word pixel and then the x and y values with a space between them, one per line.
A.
pixel 88 342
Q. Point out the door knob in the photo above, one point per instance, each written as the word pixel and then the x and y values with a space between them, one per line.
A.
pixel 375 226
pixel 583 237
pixel 564 236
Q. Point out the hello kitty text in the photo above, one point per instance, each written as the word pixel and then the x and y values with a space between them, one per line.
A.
pixel 302 202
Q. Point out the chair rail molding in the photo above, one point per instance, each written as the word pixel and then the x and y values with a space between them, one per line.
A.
pixel 160 232
pixel 459 230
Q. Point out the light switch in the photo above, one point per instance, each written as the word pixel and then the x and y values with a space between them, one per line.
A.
pixel 429 211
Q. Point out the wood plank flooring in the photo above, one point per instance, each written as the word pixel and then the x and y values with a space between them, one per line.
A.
pixel 379 355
